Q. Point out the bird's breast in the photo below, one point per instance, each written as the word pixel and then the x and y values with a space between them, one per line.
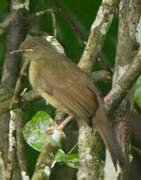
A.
pixel 33 77
pixel 33 73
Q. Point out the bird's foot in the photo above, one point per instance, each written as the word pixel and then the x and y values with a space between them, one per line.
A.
pixel 60 127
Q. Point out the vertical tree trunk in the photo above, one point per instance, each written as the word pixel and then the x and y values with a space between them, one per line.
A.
pixel 127 45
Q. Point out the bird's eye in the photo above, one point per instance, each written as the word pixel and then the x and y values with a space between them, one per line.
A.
pixel 33 44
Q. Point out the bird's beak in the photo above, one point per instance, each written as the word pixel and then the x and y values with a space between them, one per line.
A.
pixel 21 51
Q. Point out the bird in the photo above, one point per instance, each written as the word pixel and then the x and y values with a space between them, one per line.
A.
pixel 68 88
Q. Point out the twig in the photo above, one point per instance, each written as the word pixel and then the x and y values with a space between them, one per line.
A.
pixel 12 122
pixel 136 149
pixel 30 97
pixel 16 118
pixel 53 19
pixel 105 66
pixel 68 19
pixel 15 100
pixel 71 150
pixel 61 125
pixel 12 125
pixel 100 76
pixel 138 109
pixel 4 25
pixel 20 144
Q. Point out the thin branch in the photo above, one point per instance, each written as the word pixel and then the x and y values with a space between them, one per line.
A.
pixel 68 19
pixel 4 25
pixel 105 65
pixel 53 19
pixel 20 144
pixel 136 149
pixel 12 122
pixel 12 143
pixel 26 99
pixel 16 99
pixel 30 97
pixel 65 122
pixel 138 109
pixel 100 77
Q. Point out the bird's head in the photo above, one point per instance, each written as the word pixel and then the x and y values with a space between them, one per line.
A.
pixel 36 47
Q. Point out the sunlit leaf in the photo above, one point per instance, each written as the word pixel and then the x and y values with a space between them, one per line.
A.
pixel 138 92
pixel 70 160
pixel 27 5
pixel 35 130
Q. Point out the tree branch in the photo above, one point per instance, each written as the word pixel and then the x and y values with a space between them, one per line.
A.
pixel 20 144
pixel 119 91
pixel 98 32
pixel 46 157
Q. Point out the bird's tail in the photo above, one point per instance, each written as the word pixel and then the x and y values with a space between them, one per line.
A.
pixel 108 135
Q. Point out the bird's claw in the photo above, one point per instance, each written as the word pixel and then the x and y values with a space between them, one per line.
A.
pixel 55 126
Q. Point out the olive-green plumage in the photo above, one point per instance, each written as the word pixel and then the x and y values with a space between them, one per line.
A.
pixel 64 85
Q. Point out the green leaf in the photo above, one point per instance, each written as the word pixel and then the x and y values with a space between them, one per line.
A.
pixel 35 130
pixel 26 5
pixel 138 92
pixel 3 5
pixel 60 156
pixel 70 160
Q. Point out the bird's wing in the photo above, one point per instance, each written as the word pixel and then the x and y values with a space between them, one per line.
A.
pixel 70 86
